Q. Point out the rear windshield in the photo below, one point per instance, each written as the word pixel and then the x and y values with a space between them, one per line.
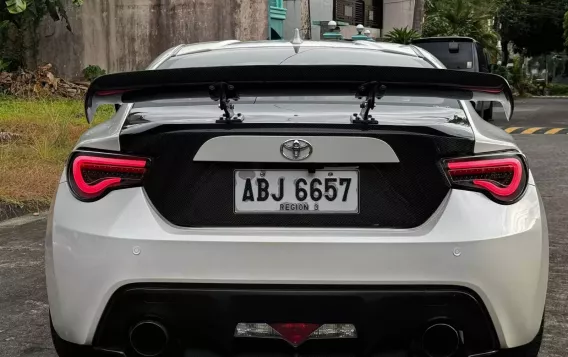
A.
pixel 288 56
pixel 462 60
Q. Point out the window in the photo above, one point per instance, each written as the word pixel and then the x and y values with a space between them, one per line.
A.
pixel 373 14
pixel 462 59
pixel 350 11
pixel 481 58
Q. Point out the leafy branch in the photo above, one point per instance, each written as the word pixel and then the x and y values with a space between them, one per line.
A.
pixel 36 9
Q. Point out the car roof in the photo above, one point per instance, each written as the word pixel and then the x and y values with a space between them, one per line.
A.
pixel 232 44
pixel 234 53
pixel 444 39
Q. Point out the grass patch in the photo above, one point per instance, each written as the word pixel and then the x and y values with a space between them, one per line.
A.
pixel 36 137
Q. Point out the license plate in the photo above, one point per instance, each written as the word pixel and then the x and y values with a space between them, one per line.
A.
pixel 296 191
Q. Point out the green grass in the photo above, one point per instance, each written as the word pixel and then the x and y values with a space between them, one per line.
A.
pixel 41 133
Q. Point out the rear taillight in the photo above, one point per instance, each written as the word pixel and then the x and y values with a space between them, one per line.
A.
pixel 93 175
pixel 502 178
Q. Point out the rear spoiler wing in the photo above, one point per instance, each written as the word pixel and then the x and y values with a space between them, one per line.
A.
pixel 224 84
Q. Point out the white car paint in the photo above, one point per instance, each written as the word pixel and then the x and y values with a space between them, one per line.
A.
pixel 498 251
pixel 90 255
pixel 267 149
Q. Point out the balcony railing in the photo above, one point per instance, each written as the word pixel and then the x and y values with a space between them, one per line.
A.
pixel 350 11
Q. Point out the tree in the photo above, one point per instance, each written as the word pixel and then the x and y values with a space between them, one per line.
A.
pixel 566 29
pixel 17 11
pixel 535 27
pixel 19 20
pixel 470 18
pixel 418 15
pixel 402 35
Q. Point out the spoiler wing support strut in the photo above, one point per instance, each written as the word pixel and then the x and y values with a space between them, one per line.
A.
pixel 371 91
pixel 224 92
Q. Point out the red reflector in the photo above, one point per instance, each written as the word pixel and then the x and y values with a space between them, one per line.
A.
pixel 295 333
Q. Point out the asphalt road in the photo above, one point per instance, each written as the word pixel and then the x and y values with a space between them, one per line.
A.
pixel 24 329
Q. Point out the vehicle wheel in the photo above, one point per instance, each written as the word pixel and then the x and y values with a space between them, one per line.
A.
pixel 529 350
pixel 68 349
pixel 488 113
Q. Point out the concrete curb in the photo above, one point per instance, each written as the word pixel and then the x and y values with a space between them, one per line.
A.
pixel 19 221
pixel 536 130
pixel 10 210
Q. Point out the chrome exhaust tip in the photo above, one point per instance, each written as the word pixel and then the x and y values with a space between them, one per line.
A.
pixel 440 340
pixel 149 338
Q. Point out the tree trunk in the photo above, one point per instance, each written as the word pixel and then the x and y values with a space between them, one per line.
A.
pixel 505 50
pixel 418 15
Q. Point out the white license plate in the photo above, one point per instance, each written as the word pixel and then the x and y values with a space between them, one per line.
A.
pixel 296 191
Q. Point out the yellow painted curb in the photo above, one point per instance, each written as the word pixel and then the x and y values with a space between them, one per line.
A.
pixel 553 131
pixel 530 130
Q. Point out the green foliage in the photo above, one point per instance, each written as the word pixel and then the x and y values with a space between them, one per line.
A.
pixel 402 35
pixel 15 6
pixel 566 29
pixel 470 18
pixel 21 11
pixel 503 72
pixel 518 77
pixel 535 27
pixel 92 72
pixel 557 89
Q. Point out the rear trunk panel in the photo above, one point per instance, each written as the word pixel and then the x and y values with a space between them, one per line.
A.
pixel 201 194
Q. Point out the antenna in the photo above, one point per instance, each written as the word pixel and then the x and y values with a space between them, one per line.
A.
pixel 297 40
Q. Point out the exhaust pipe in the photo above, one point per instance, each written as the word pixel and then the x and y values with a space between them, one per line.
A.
pixel 149 338
pixel 440 340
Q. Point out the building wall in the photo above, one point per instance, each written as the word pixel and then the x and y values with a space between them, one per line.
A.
pixel 297 17
pixel 320 10
pixel 124 35
pixel 397 13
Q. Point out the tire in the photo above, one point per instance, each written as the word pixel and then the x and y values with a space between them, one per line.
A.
pixel 488 113
pixel 529 350
pixel 68 349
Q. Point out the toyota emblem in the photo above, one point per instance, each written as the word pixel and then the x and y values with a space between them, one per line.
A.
pixel 296 149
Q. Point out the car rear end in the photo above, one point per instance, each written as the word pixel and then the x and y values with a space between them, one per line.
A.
pixel 294 232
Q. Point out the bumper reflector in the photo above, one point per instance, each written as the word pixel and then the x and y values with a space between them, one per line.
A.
pixel 295 333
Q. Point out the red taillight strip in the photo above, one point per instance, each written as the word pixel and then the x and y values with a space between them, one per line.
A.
pixel 111 92
pixel 106 163
pixel 492 165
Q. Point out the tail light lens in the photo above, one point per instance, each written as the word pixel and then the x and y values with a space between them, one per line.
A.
pixel 93 175
pixel 502 178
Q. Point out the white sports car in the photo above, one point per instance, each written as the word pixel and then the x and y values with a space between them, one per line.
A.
pixel 297 198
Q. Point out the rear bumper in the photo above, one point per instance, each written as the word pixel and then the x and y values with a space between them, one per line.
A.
pixel 388 319
pixel 500 253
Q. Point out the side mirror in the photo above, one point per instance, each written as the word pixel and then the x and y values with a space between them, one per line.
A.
pixel 454 47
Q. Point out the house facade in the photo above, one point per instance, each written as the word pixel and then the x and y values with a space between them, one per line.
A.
pixel 124 35
pixel 378 16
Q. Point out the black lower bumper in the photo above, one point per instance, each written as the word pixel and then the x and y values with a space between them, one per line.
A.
pixel 389 320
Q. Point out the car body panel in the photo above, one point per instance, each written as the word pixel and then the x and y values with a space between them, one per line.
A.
pixel 499 251
pixel 91 253
pixel 247 148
